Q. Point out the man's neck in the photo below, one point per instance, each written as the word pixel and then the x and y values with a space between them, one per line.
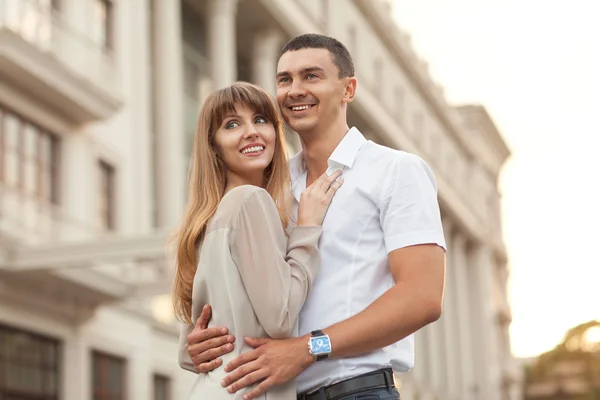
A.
pixel 316 150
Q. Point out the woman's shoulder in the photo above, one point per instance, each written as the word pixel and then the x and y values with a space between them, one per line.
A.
pixel 237 197
pixel 238 200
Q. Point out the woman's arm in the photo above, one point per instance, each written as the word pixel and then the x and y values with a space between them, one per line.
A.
pixel 277 273
pixel 183 357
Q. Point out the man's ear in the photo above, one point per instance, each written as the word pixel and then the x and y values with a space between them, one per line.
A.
pixel 349 89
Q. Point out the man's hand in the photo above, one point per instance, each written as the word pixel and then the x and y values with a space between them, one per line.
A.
pixel 205 344
pixel 274 361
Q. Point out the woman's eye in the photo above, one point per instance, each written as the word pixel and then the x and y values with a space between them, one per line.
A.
pixel 260 120
pixel 231 125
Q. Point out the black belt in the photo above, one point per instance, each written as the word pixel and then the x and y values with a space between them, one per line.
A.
pixel 380 379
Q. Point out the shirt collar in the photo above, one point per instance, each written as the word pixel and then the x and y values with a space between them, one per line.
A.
pixel 346 151
pixel 344 155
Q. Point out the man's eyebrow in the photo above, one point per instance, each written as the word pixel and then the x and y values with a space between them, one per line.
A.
pixel 303 71
pixel 313 69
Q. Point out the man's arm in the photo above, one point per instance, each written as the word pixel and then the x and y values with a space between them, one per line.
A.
pixel 413 302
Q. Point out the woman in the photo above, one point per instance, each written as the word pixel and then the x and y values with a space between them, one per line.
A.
pixel 232 249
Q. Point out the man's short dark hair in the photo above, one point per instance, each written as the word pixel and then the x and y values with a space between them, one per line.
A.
pixel 341 55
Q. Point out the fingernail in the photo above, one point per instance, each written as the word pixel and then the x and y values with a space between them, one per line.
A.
pixel 224 330
pixel 223 383
pixel 230 338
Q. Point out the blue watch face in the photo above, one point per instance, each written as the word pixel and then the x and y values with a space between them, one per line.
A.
pixel 320 345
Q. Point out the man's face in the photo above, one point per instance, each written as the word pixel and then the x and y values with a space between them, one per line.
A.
pixel 309 91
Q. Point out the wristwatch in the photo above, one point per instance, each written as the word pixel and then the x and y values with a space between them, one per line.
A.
pixel 319 345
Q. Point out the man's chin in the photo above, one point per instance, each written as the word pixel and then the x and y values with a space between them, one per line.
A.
pixel 302 126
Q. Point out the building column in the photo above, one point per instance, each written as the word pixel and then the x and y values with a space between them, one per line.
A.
pixel 75 171
pixel 465 326
pixel 437 356
pixel 222 43
pixel 141 116
pixel 407 389
pixel 76 379
pixel 265 55
pixel 422 370
pixel 169 144
pixel 486 327
pixel 449 316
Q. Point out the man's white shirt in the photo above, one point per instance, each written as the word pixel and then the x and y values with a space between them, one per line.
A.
pixel 388 201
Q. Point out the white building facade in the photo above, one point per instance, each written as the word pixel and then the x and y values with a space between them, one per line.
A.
pixel 98 106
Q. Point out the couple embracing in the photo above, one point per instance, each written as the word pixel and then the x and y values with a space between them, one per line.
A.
pixel 303 279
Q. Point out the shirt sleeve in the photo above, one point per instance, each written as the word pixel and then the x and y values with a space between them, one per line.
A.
pixel 184 359
pixel 409 210
pixel 277 272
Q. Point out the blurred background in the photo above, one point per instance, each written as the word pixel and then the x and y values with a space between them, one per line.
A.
pixel 98 105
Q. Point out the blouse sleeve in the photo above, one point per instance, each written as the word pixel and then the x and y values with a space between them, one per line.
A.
pixel 184 359
pixel 277 273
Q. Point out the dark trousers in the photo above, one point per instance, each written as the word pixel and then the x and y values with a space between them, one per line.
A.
pixel 378 385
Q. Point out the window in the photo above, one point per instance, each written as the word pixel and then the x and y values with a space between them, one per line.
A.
pixel 108 377
pixel 29 365
pixel 106 196
pixel 29 158
pixel 104 23
pixel 162 387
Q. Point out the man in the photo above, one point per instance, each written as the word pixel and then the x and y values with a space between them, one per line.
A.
pixel 382 249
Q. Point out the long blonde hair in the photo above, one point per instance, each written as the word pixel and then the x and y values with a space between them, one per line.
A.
pixel 208 178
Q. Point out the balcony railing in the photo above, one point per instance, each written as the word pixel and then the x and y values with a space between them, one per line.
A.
pixel 37 23
pixel 27 220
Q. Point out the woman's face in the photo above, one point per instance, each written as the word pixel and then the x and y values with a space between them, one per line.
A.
pixel 245 141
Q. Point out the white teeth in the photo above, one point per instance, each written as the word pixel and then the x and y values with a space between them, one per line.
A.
pixel 299 108
pixel 253 149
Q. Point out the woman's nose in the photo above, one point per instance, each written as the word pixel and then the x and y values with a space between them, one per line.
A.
pixel 251 134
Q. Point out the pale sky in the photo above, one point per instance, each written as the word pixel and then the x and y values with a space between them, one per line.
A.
pixel 535 66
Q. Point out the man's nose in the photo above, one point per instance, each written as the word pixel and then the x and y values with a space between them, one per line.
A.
pixel 297 89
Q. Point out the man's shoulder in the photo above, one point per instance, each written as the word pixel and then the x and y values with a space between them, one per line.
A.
pixel 376 154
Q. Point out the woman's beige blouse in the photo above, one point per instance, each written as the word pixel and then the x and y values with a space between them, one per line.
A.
pixel 255 278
